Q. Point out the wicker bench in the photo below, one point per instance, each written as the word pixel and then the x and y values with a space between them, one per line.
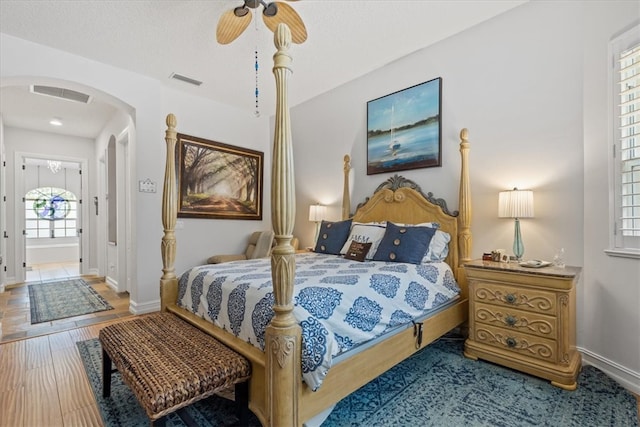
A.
pixel 170 364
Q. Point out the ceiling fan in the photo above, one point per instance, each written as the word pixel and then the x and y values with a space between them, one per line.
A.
pixel 233 22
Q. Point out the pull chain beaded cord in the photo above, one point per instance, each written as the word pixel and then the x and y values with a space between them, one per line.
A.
pixel 257 67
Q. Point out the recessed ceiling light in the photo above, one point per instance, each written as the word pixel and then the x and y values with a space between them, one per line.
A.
pixel 55 122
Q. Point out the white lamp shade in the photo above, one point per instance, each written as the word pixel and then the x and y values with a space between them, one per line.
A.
pixel 317 213
pixel 515 204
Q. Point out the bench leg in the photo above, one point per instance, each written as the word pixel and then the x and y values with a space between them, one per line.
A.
pixel 106 374
pixel 160 422
pixel 242 402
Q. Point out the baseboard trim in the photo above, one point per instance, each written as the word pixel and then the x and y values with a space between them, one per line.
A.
pixel 623 375
pixel 148 307
pixel 113 284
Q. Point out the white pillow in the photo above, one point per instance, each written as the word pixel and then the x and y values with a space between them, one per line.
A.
pixel 364 233
pixel 438 247
pixel 426 224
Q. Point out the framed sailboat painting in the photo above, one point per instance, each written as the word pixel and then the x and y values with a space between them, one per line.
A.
pixel 404 129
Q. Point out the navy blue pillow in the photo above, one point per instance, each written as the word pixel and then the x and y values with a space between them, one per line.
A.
pixel 404 244
pixel 332 236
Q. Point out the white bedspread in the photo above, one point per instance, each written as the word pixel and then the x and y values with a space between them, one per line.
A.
pixel 338 303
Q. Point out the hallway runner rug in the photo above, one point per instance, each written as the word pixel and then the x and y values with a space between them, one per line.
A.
pixel 437 386
pixel 62 299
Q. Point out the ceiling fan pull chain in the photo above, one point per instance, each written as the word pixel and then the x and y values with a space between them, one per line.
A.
pixel 257 66
pixel 257 113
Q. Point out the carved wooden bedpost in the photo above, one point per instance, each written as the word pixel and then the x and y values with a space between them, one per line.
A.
pixel 346 196
pixel 464 218
pixel 283 335
pixel 168 281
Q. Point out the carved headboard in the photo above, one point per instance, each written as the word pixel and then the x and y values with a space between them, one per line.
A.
pixel 401 200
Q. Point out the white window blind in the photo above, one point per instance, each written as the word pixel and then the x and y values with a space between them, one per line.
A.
pixel 625 165
pixel 629 153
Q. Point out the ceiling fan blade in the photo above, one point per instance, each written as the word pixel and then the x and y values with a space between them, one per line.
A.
pixel 231 26
pixel 287 15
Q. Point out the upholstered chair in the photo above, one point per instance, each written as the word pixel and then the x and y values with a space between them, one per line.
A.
pixel 260 245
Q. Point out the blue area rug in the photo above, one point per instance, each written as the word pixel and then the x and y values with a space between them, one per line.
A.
pixel 435 387
pixel 62 299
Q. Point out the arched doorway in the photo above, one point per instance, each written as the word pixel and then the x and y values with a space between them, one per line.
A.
pixel 119 122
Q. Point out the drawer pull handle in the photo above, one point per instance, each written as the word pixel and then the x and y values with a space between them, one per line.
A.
pixel 511 342
pixel 510 320
pixel 510 298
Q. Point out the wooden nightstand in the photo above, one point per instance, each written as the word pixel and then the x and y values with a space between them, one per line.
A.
pixel 525 319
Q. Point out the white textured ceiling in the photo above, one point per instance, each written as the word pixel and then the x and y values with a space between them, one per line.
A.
pixel 347 38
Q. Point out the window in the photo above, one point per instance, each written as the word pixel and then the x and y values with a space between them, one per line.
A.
pixel 626 140
pixel 50 212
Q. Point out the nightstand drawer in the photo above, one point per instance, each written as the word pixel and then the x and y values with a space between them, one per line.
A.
pixel 520 298
pixel 527 345
pixel 516 320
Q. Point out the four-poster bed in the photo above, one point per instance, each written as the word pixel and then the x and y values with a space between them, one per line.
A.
pixel 278 395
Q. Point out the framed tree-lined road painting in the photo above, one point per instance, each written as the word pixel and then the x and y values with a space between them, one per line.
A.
pixel 218 180
pixel 404 129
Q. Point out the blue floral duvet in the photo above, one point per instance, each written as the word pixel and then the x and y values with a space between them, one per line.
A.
pixel 338 303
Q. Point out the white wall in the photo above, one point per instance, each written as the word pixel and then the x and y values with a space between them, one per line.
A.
pixel 59 252
pixel 149 103
pixel 516 82
pixel 609 323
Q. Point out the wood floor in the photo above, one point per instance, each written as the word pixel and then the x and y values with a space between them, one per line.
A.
pixel 43 381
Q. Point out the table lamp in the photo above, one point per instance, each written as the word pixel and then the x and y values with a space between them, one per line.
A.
pixel 317 213
pixel 516 204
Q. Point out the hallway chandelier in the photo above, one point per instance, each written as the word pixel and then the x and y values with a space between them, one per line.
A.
pixel 54 165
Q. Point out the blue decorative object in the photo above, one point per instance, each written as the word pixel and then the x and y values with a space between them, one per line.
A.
pixel 314 344
pixel 404 130
pixel 51 207
pixel 416 296
pixel 516 204
pixel 404 244
pixel 214 297
pixel 319 301
pixel 236 307
pixel 428 271
pixel 518 246
pixel 385 284
pixel 340 280
pixel 364 314
pixel 261 316
pixel 332 236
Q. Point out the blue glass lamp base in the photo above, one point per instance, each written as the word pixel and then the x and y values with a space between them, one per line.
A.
pixel 518 246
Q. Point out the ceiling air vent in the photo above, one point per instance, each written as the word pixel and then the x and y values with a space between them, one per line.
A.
pixel 58 92
pixel 185 79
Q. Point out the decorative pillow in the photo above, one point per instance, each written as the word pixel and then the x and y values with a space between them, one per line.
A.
pixel 438 247
pixel 404 244
pixel 370 232
pixel 332 236
pixel 423 224
pixel 357 251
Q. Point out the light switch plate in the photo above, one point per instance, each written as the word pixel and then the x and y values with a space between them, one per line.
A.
pixel 147 186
